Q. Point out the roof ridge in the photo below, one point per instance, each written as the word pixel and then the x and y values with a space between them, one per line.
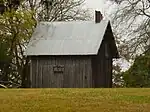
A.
pixel 73 21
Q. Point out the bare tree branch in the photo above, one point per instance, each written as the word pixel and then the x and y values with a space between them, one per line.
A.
pixel 132 21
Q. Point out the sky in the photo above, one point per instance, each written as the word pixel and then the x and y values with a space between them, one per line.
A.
pixel 95 4
pixel 106 7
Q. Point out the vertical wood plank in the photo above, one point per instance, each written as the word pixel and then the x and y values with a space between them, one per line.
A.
pixel 62 76
pixel 86 75
pixel 80 74
pixel 50 64
pixel 80 77
pixel 31 73
pixel 65 79
pixel 34 72
pixel 36 75
pixel 71 72
pixel 75 73
pixel 52 73
pixel 40 63
pixel 89 73
pixel 39 74
pixel 57 74
pixel 47 74
pixel 84 84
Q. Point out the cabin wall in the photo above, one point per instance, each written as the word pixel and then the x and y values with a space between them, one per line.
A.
pixel 102 65
pixel 102 70
pixel 76 72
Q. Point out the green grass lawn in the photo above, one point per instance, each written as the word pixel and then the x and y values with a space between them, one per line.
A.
pixel 74 100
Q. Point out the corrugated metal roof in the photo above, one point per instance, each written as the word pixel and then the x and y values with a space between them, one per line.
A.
pixel 67 38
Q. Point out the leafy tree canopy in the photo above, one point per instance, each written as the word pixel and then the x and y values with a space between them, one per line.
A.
pixel 139 73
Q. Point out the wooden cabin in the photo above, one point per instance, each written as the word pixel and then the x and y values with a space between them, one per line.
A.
pixel 74 54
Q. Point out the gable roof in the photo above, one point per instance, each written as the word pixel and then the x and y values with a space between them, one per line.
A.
pixel 67 38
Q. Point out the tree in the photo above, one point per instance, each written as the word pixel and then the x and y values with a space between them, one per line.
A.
pixel 117 76
pixel 6 5
pixel 132 20
pixel 15 30
pixel 17 25
pixel 4 61
pixel 58 10
pixel 139 73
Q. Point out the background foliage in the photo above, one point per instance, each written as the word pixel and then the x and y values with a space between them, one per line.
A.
pixel 18 19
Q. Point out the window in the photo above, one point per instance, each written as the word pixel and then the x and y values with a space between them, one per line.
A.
pixel 58 68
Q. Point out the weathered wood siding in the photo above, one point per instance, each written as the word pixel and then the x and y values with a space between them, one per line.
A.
pixel 102 63
pixel 77 72
pixel 102 69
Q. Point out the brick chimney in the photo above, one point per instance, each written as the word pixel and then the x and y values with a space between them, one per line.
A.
pixel 98 16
